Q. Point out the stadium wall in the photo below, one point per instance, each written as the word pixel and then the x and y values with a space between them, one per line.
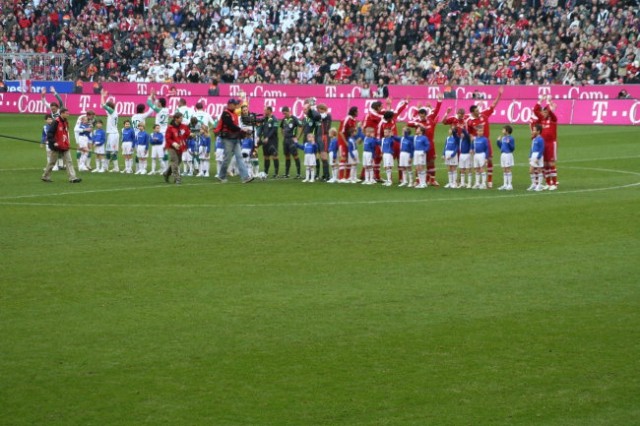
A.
pixel 509 110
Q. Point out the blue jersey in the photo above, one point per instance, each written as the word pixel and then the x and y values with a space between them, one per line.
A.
pixel 387 144
pixel 351 144
pixel 192 145
pixel 481 145
pixel 465 142
pixel 333 147
pixel 369 144
pixel 219 144
pixel 308 147
pixel 204 142
pixel 537 146
pixel 506 144
pixel 247 143
pixel 452 143
pixel 157 138
pixel 406 144
pixel 85 129
pixel 128 135
pixel 99 137
pixel 142 139
pixel 421 143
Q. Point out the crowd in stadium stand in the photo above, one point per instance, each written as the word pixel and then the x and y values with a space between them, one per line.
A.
pixel 364 42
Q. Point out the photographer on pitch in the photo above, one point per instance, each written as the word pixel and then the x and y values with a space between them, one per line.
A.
pixel 231 135
pixel 269 140
pixel 58 141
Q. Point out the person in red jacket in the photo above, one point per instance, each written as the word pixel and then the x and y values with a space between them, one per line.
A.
pixel 58 140
pixel 175 144
pixel 549 121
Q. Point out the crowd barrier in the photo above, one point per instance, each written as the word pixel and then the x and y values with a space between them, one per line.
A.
pixel 515 111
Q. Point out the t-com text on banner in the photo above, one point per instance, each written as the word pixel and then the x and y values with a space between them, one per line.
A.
pixel 557 92
pixel 514 111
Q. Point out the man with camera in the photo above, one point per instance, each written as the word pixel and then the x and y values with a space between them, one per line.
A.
pixel 58 141
pixel 231 135
pixel 269 141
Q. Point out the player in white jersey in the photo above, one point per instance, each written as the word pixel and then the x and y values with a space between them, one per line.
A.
pixel 204 118
pixel 140 117
pixel 113 137
pixel 186 111
pixel 159 106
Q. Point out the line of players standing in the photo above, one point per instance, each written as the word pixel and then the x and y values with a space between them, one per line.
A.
pixel 467 147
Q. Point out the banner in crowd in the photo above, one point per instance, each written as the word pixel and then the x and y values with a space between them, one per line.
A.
pixel 558 92
pixel 515 111
pixel 27 86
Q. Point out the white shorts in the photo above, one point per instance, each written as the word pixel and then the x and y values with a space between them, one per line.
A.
pixel 219 154
pixel 157 151
pixel 127 148
pixel 83 143
pixel 112 142
pixel 387 160
pixel 186 156
pixel 405 159
pixel 354 158
pixel 420 158
pixel 367 159
pixel 99 149
pixel 479 160
pixel 450 158
pixel 310 160
pixel 141 151
pixel 534 161
pixel 464 161
pixel 332 159
pixel 506 160
pixel 203 154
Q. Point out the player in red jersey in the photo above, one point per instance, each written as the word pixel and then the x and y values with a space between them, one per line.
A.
pixel 344 131
pixel 428 124
pixel 549 121
pixel 478 124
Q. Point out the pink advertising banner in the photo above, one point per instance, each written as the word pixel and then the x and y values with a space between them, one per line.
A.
pixel 354 92
pixel 515 111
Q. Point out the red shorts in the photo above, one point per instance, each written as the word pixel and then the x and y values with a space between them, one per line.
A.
pixel 550 152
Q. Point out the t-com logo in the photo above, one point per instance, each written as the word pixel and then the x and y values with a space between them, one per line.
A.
pixel 603 113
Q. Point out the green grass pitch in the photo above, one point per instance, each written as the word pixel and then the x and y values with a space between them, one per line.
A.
pixel 127 301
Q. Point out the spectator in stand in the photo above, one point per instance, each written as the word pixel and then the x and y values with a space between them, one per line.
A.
pixel 401 42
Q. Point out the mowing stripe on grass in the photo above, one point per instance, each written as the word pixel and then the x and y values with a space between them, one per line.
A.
pixel 326 203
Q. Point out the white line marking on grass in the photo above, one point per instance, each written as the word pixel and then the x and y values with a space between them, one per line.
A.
pixel 21 170
pixel 495 195
pixel 97 191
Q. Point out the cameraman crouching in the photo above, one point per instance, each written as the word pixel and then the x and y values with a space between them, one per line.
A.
pixel 231 135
